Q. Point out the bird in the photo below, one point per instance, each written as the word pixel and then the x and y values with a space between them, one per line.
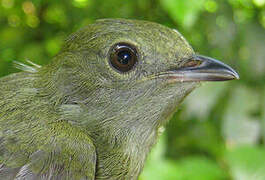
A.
pixel 96 110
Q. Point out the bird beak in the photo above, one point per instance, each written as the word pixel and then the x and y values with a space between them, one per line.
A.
pixel 201 68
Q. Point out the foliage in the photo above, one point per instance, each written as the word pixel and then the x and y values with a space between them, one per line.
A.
pixel 219 132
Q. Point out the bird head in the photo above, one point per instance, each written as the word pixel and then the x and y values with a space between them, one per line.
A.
pixel 126 76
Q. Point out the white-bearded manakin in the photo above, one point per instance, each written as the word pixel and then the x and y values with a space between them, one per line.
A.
pixel 95 111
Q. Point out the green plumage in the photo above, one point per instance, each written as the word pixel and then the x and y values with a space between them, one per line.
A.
pixel 78 118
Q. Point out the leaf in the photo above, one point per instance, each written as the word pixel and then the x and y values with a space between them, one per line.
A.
pixel 182 11
pixel 159 167
pixel 246 162
pixel 199 167
pixel 240 126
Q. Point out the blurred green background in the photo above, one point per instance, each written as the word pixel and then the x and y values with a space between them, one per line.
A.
pixel 219 131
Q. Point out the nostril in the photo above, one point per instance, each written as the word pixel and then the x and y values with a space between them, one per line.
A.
pixel 191 63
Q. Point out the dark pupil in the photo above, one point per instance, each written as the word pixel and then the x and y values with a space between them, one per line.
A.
pixel 124 57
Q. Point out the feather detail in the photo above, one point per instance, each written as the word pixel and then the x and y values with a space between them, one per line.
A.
pixel 31 67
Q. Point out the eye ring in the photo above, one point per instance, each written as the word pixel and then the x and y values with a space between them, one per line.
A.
pixel 123 57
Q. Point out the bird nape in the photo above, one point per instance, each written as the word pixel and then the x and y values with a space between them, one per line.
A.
pixel 94 112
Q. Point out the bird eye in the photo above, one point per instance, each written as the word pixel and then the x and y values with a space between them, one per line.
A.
pixel 123 57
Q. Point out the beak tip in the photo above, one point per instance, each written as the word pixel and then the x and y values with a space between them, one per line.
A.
pixel 234 74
